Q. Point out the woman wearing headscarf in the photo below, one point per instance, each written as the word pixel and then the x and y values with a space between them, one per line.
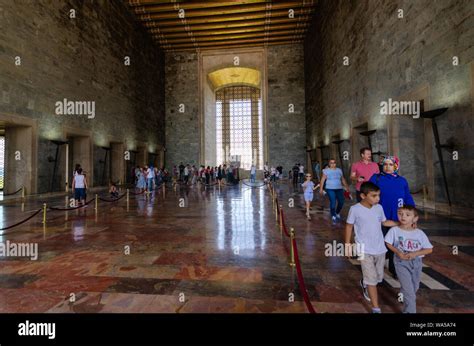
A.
pixel 394 193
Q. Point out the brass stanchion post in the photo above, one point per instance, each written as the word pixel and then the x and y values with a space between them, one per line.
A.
pixel 44 213
pixel 281 219
pixel 23 192
pixel 276 211
pixel 128 195
pixel 96 201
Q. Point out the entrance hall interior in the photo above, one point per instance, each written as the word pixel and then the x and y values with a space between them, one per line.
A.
pixel 208 116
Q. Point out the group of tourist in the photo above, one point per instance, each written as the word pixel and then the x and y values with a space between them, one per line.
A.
pixel 384 222
pixel 272 173
pixel 147 178
pixel 210 175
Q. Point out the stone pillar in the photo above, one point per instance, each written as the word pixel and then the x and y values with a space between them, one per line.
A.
pixel 18 159
pixel 117 162
pixel 225 126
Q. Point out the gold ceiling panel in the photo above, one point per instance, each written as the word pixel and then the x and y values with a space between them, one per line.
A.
pixel 185 25
pixel 234 75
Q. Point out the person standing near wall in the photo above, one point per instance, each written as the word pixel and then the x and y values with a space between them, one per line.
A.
pixel 296 170
pixel 363 170
pixel 272 174
pixel 186 174
pixel 301 172
pixel 141 180
pixel 151 178
pixel 219 175
pixel 207 174
pixel 253 173
pixel 181 171
pixel 280 170
pixel 194 174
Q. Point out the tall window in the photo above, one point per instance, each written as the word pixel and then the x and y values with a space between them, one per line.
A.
pixel 239 130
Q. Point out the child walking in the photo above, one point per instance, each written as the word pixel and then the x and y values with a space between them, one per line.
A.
pixel 308 188
pixel 79 187
pixel 367 218
pixel 409 245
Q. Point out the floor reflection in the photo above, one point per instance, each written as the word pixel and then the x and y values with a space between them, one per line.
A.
pixel 240 221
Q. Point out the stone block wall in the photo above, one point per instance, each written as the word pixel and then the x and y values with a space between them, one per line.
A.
pixel 396 57
pixel 286 128
pixel 182 129
pixel 80 59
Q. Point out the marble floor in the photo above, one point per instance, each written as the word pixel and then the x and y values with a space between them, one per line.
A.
pixel 198 249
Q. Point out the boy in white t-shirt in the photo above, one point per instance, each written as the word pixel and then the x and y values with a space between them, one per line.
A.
pixel 367 218
pixel 409 244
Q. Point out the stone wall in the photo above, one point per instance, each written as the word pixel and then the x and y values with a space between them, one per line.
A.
pixel 80 59
pixel 286 129
pixel 182 129
pixel 408 58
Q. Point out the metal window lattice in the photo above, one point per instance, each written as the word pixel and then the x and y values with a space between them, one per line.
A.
pixel 239 125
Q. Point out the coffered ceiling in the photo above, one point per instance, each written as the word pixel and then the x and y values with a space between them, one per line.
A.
pixel 194 25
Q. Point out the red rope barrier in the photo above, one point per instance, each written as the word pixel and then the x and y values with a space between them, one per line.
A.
pixel 284 225
pixel 299 271
pixel 253 186
pixel 302 285
pixel 72 208
pixel 112 200
pixel 13 193
pixel 136 194
pixel 21 222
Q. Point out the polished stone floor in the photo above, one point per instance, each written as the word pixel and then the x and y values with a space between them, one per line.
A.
pixel 209 250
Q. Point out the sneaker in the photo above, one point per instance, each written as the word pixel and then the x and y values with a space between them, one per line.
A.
pixel 376 311
pixel 338 217
pixel 333 219
pixel 364 290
